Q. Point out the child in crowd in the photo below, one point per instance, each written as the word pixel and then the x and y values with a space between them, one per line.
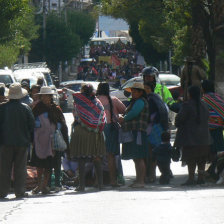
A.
pixel 162 155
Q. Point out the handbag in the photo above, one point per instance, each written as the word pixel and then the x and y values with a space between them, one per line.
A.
pixel 59 143
pixel 155 135
pixel 175 153
pixel 115 126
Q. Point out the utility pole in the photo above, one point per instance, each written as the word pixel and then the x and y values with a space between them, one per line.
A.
pixel 170 62
pixel 49 5
pixel 59 6
pixel 44 26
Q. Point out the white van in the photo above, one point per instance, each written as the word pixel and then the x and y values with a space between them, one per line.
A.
pixel 6 76
pixel 34 71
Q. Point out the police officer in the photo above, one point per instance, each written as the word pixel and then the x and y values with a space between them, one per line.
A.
pixel 150 74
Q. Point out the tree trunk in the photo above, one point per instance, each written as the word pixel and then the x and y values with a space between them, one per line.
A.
pixel 219 38
pixel 219 77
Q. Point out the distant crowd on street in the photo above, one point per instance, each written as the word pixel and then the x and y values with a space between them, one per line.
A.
pixel 102 70
pixel 34 135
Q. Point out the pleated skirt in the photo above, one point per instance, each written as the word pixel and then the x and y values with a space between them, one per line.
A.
pixel 86 144
pixel 132 150
pixel 112 143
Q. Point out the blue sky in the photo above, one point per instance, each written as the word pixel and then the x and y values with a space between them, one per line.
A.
pixel 108 23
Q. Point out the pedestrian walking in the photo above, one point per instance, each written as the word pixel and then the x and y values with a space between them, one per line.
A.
pixel 27 99
pixel 48 118
pixel 134 125
pixel 17 125
pixel 191 74
pixel 113 107
pixel 162 155
pixel 3 93
pixel 193 134
pixel 87 140
pixel 158 123
pixel 215 105
pixel 35 89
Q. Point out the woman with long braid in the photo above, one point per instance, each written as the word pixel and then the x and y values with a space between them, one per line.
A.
pixel 113 107
pixel 193 134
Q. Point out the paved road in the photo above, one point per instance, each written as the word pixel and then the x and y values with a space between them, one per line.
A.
pixel 155 204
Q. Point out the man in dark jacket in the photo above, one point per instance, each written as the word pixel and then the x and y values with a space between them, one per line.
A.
pixel 17 125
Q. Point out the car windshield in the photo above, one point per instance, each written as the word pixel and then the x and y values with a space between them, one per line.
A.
pixel 130 82
pixel 48 79
pixel 77 86
pixel 169 80
pixel 6 79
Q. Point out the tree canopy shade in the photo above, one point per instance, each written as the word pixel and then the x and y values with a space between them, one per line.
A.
pixel 145 19
pixel 82 24
pixel 64 39
pixel 16 31
pixel 61 43
pixel 188 28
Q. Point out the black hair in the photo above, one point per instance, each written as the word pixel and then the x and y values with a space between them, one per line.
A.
pixel 40 81
pixel 2 91
pixel 208 86
pixel 151 85
pixel 88 90
pixel 165 137
pixel 104 89
pixel 143 91
pixel 35 87
pixel 195 94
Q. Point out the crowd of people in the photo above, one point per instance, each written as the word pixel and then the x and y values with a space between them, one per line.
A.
pixel 101 70
pixel 101 124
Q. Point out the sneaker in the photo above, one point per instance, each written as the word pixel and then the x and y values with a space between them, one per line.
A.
pixel 220 181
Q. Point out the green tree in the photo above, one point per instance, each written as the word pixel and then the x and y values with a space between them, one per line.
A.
pixel 64 39
pixel 61 43
pixel 9 11
pixel 16 31
pixel 82 24
pixel 145 19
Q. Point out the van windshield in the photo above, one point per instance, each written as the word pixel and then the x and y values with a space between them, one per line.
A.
pixel 48 79
pixel 6 79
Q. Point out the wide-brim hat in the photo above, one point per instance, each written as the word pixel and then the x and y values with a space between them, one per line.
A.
pixel 2 85
pixel 16 92
pixel 135 85
pixel 46 90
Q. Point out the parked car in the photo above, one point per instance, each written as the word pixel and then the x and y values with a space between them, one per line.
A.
pixel 172 82
pixel 6 77
pixel 76 86
pixel 34 71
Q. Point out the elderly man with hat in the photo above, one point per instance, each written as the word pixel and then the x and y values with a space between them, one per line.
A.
pixel 17 125
pixel 191 75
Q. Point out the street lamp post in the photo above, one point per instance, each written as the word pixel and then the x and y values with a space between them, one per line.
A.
pixel 44 26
